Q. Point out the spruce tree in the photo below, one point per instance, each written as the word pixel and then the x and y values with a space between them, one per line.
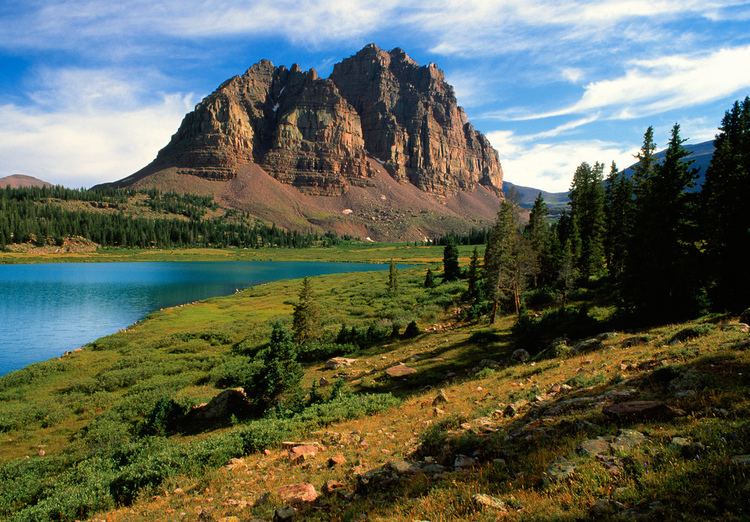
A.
pixel 306 319
pixel 619 214
pixel 473 292
pixel 451 270
pixel 429 279
pixel 506 261
pixel 392 278
pixel 537 232
pixel 725 219
pixel 587 213
pixel 280 372
pixel 660 276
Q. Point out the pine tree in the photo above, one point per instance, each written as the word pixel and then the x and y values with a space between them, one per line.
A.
pixel 506 261
pixel 280 373
pixel 660 275
pixel 306 319
pixel 537 232
pixel 587 213
pixel 392 278
pixel 725 219
pixel 619 214
pixel 429 279
pixel 451 270
pixel 473 292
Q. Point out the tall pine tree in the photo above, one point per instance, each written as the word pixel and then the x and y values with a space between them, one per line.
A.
pixel 619 214
pixel 725 219
pixel 660 276
pixel 587 213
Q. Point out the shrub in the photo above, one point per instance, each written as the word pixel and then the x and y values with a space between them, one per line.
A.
pixel 412 330
pixel 532 333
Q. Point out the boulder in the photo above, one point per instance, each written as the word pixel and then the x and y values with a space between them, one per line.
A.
pixel 302 453
pixel 520 355
pixel 336 460
pixel 334 363
pixel 298 493
pixel 640 411
pixel 219 410
pixel 588 345
pixel 595 447
pixel 331 486
pixel 440 398
pixel 627 440
pixel 463 462
pixel 487 501
pixel 400 370
pixel 284 514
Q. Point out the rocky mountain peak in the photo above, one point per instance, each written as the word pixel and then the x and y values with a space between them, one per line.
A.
pixel 317 134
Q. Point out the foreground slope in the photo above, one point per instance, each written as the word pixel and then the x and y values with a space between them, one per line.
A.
pixel 379 149
pixel 507 437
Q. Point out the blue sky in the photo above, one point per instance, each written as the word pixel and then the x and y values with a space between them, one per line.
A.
pixel 90 90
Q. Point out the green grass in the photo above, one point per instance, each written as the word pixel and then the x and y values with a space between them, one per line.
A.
pixel 345 252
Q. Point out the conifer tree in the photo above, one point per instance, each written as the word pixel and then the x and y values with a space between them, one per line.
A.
pixel 280 373
pixel 429 279
pixel 537 232
pixel 660 276
pixel 473 291
pixel 451 270
pixel 619 213
pixel 392 278
pixel 587 213
pixel 506 261
pixel 725 218
pixel 306 319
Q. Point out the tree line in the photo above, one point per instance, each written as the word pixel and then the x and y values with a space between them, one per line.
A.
pixel 663 251
pixel 34 215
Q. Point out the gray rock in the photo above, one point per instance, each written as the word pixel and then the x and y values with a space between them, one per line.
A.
pixel 561 469
pixel 463 462
pixel 433 469
pixel 588 345
pixel 487 501
pixel 284 514
pixel 628 440
pixel 595 447
pixel 521 355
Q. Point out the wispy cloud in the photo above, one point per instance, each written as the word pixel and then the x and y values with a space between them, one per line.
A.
pixel 87 126
pixel 662 84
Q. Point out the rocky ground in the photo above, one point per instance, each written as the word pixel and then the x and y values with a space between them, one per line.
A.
pixel 627 426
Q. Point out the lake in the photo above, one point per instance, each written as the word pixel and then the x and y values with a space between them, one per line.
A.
pixel 46 309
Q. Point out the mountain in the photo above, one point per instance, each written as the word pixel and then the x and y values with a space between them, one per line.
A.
pixel 20 180
pixel 700 153
pixel 379 149
pixel 527 195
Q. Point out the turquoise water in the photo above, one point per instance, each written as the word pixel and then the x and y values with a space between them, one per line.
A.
pixel 47 309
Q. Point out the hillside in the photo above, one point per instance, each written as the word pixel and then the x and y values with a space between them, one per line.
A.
pixel 20 181
pixel 379 149
pixel 477 431
pixel 700 154
pixel 556 201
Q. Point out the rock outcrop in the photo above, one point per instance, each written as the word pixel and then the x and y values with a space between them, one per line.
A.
pixel 412 123
pixel 292 123
pixel 316 134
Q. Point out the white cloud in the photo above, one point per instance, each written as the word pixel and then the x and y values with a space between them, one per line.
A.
pixel 103 131
pixel 550 166
pixel 572 74
pixel 665 83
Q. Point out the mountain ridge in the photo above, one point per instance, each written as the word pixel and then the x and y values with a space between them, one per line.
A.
pixel 346 152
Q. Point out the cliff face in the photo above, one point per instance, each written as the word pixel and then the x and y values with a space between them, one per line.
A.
pixel 316 134
pixel 413 124
pixel 292 123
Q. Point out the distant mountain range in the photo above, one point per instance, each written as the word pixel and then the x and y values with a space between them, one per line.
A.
pixel 20 180
pixel 700 154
